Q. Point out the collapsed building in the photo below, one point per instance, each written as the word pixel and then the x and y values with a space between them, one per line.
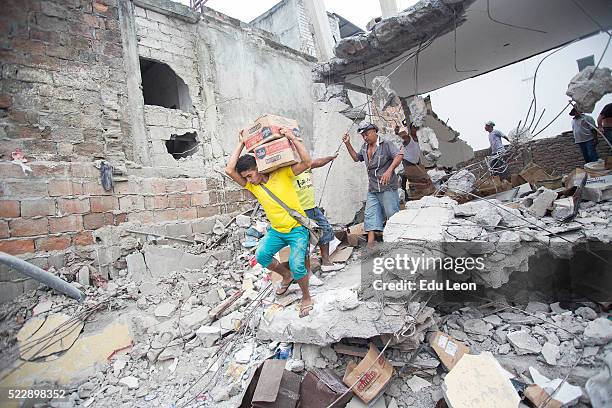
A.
pixel 117 118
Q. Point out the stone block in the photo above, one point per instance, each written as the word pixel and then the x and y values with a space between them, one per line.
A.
pixel 28 227
pixel 32 208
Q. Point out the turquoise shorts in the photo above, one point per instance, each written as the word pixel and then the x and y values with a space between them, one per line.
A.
pixel 274 241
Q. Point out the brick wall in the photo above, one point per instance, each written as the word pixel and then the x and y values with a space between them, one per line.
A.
pixel 557 155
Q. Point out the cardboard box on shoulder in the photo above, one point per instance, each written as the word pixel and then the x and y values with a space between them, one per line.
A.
pixel 265 129
pixel 276 154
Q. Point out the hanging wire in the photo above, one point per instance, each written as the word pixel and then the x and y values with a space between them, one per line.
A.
pixel 508 24
pixel 455 44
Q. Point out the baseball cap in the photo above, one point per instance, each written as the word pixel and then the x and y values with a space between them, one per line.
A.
pixel 490 123
pixel 365 125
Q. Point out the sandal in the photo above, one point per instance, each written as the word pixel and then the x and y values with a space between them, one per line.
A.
pixel 305 310
pixel 284 288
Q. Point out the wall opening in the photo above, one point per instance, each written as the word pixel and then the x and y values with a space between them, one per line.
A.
pixel 182 146
pixel 162 87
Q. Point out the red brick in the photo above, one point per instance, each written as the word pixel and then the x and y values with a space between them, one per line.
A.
pixel 56 243
pixel 9 209
pixel 187 213
pixel 84 238
pixel 28 227
pixel 179 200
pixel 4 229
pixel 200 199
pixel 165 215
pixel 149 202
pixel 176 185
pixel 5 102
pixel 98 220
pixel 127 187
pixel 154 186
pixel 99 7
pixel 103 204
pixel 209 211
pixel 212 184
pixel 94 188
pixel 120 218
pixel 70 223
pixel 73 205
pixel 33 208
pixel 85 170
pixel 41 169
pixel 144 217
pixel 63 188
pixel 17 246
pixel 160 202
pixel 215 197
pixel 195 185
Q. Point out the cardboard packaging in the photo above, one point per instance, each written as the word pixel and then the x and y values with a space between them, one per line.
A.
pixel 371 374
pixel 266 129
pixel 320 388
pixel 447 348
pixel 276 154
pixel 271 386
pixel 355 232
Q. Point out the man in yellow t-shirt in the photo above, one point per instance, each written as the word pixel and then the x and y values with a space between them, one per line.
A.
pixel 284 230
pixel 306 193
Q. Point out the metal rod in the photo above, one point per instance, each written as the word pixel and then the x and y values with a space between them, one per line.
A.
pixel 42 276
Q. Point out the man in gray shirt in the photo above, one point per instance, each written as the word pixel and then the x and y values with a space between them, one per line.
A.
pixel 381 158
pixel 584 135
pixel 497 164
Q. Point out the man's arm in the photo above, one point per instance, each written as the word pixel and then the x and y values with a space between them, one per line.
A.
pixel 230 169
pixel 321 161
pixel 384 179
pixel 305 162
pixel 347 142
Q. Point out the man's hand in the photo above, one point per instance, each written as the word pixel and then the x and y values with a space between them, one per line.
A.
pixel 288 133
pixel 346 138
pixel 384 179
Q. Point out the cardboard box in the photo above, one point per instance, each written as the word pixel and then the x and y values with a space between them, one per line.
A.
pixel 271 386
pixel 447 348
pixel 265 129
pixel 533 173
pixel 320 388
pixel 371 375
pixel 354 233
pixel 276 154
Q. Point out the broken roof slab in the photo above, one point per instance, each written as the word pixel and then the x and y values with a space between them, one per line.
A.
pixel 482 44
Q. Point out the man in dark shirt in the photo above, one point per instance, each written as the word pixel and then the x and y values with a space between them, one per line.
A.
pixel 381 158
pixel 604 122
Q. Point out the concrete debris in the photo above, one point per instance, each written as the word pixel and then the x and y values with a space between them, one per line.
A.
pixel 524 343
pixel 461 182
pixel 550 352
pixel 428 142
pixel 567 394
pixel 165 309
pixel 588 86
pixel 563 208
pixel 598 332
pixel 519 136
pixel 208 335
pixel 599 387
pixel 416 383
pixel 83 276
pixel 539 202
pixel 41 337
pixel 418 111
pixel 243 221
pixel 130 381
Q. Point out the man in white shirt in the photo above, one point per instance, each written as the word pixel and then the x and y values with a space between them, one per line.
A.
pixel 497 164
pixel 414 172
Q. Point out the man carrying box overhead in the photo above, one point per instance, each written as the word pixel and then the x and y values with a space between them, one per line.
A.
pixel 306 193
pixel 284 230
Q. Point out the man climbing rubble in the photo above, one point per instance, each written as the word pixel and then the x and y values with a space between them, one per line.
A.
pixel 284 230
pixel 497 164
pixel 414 172
pixel 306 193
pixel 585 135
pixel 381 159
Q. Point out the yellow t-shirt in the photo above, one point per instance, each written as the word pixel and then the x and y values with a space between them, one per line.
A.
pixel 280 183
pixel 305 190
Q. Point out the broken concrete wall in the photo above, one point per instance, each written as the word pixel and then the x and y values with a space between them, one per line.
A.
pixel 557 155
pixel 71 95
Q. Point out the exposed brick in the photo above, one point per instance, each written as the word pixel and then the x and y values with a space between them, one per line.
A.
pixel 32 208
pixel 200 199
pixel 120 218
pixel 84 238
pixel 4 229
pixel 233 196
pixel 216 197
pixel 186 213
pixel 212 184
pixel 85 170
pixel 63 188
pixel 53 243
pixel 131 203
pixel 127 187
pixel 195 185
pixel 144 217
pixel 31 189
pixel 154 186
pixel 73 205
pixel 21 227
pixel 176 185
pixel 9 209
pixel 165 215
pixel 70 223
pixel 103 204
pixel 179 200
pixel 207 211
pixel 94 188
pixel 17 246
pixel 98 220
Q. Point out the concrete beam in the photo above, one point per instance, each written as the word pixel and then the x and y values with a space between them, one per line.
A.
pixel 170 8
pixel 320 22
pixel 388 8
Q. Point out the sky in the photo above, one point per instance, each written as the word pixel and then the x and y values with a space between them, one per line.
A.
pixel 502 96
